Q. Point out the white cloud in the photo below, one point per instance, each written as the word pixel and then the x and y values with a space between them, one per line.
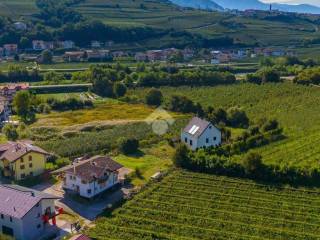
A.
pixel 313 2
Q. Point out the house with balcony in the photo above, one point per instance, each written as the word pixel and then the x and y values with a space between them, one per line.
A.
pixel 90 177
pixel 20 160
pixel 26 214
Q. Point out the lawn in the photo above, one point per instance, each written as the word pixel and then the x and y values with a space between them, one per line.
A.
pixel 148 161
pixel 187 205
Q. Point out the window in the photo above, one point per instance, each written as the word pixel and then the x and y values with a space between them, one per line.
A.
pixel 207 140
pixel 190 142
pixel 39 215
pixel 185 140
pixel 89 191
pixel 30 158
pixel 10 219
pixel 215 138
pixel 21 160
pixel 83 182
pixel 23 176
pixel 70 177
pixel 22 167
pixel 30 165
pixel 2 216
pixel 37 205
pixel 210 127
pixel 39 226
pixel 31 174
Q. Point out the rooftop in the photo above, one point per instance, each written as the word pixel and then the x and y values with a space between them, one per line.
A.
pixel 17 201
pixel 12 151
pixel 196 126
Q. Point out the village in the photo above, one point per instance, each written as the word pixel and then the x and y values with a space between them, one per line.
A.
pixel 67 51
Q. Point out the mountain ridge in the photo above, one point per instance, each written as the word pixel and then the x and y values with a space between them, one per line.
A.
pixel 220 5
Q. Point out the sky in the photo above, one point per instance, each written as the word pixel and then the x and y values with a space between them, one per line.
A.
pixel 313 2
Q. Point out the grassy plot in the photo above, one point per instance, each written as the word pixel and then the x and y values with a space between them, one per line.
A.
pixel 189 205
pixel 147 162
pixel 103 111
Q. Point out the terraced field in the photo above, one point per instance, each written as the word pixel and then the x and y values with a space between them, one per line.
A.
pixel 198 206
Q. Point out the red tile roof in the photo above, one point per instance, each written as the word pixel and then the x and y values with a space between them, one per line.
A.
pixel 93 168
pixel 12 151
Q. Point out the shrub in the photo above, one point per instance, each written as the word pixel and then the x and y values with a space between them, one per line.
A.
pixel 128 146
pixel 252 163
pixel 10 132
pixel 154 97
pixel 236 117
pixel 119 89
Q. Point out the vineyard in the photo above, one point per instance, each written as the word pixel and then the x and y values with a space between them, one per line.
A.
pixel 198 206
pixel 295 107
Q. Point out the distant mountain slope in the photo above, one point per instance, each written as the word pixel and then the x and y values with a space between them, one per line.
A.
pixel 199 4
pixel 256 4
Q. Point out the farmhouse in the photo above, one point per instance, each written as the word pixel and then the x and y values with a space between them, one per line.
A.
pixel 19 160
pixel 200 133
pixel 92 176
pixel 25 213
pixel 10 49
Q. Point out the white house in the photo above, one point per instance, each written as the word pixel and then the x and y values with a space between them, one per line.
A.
pixel 25 213
pixel 200 133
pixel 20 26
pixel 92 176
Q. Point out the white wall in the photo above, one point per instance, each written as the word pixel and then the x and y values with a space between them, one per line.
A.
pixel 95 186
pixel 211 133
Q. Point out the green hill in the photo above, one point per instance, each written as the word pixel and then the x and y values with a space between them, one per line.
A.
pixel 262 28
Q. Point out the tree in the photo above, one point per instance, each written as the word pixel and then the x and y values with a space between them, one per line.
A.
pixel 46 56
pixel 237 117
pixel 154 97
pixel 119 89
pixel 181 156
pixel 23 104
pixel 128 146
pixel 252 163
pixel 269 75
pixel 10 131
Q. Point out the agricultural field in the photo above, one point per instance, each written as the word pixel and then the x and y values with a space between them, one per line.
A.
pixel 296 107
pixel 187 205
pixel 102 112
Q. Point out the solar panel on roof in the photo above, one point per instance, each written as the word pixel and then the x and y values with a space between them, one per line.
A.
pixel 195 130
pixel 192 129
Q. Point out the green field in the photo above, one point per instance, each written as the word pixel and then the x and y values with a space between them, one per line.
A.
pixel 198 206
pixel 296 107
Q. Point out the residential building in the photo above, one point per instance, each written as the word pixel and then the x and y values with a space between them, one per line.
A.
pixel 187 54
pixel 98 55
pixel 75 56
pixel 117 54
pixel 92 176
pixel 140 57
pixel 20 26
pixel 1 52
pixel 155 55
pixel 10 49
pixel 200 133
pixel 40 45
pixel 25 213
pixel 9 90
pixel 95 44
pixel 67 44
pixel 19 160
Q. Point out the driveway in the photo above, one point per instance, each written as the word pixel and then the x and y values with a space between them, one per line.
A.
pixel 88 210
